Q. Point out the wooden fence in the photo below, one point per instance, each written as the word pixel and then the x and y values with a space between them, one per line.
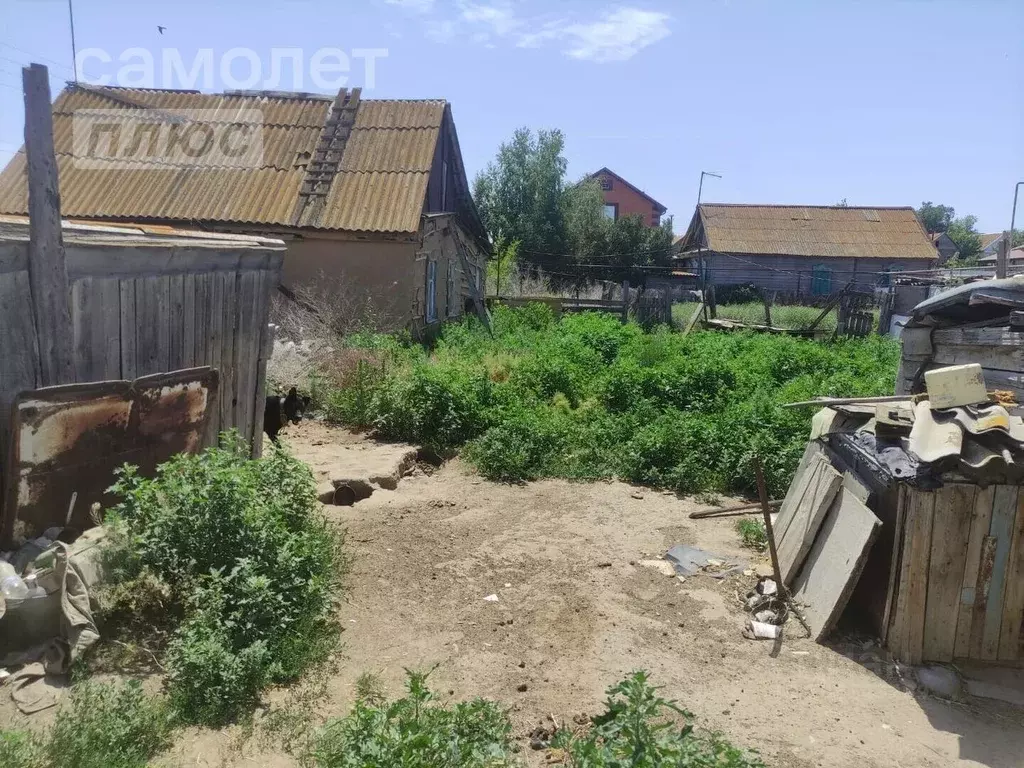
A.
pixel 144 303
pixel 646 307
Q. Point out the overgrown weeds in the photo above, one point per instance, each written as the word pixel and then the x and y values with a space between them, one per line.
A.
pixel 587 397
pixel 98 726
pixel 753 534
pixel 244 566
pixel 640 729
pixel 415 731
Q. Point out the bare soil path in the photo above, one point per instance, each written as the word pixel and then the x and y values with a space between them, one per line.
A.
pixel 574 616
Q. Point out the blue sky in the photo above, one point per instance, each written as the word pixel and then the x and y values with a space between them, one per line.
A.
pixel 880 102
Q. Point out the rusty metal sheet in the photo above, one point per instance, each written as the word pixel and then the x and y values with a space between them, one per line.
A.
pixel 69 439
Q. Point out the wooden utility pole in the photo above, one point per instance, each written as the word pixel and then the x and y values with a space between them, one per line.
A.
pixel 47 270
pixel 1001 255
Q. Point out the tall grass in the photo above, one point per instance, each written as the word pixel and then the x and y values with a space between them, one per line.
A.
pixel 587 397
pixel 795 317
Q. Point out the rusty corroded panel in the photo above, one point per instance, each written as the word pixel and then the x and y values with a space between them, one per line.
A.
pixel 69 439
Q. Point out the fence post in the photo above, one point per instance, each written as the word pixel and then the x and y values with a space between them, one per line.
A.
pixel 1001 255
pixel 47 270
pixel 625 301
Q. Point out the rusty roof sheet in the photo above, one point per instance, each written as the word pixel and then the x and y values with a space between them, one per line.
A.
pixel 815 231
pixel 380 186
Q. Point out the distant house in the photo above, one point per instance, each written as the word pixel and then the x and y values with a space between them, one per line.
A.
pixel 1014 261
pixel 369 193
pixel 990 244
pixel 804 250
pixel 623 199
pixel 944 245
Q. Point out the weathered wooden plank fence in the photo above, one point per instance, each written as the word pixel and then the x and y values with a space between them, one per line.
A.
pixel 147 301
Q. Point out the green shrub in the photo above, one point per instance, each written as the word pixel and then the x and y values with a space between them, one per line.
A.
pixel 639 729
pixel 519 447
pixel 249 563
pixel 414 731
pixel 20 749
pixel 438 405
pixel 97 726
pixel 753 534
pixel 589 397
pixel 108 726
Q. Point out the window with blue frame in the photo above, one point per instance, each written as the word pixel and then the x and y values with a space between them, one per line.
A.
pixel 821 280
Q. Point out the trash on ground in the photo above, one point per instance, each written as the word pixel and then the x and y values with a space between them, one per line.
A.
pixel 664 567
pixel 759 631
pixel 689 561
pixel 491 598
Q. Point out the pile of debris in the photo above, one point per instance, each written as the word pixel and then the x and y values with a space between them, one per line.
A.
pixel 904 507
pixel 768 609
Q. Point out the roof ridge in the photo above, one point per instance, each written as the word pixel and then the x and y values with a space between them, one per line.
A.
pixel 798 205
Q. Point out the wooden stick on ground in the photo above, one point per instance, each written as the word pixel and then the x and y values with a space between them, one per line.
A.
pixel 822 402
pixel 729 511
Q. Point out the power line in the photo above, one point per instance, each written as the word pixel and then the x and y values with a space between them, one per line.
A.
pixel 54 62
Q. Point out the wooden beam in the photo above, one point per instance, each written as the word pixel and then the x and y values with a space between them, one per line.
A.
pixel 47 270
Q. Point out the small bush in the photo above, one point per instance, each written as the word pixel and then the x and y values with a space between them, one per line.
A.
pixel 249 565
pixel 97 726
pixel 108 726
pixel 20 749
pixel 640 729
pixel 753 534
pixel 415 731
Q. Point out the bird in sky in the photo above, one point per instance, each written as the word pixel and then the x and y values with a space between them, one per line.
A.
pixel 160 29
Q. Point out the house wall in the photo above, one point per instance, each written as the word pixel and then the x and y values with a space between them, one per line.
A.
pixel 795 274
pixel 392 276
pixel 442 240
pixel 441 186
pixel 629 201
pixel 379 276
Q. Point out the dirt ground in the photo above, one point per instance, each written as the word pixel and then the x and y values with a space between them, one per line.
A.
pixel 575 613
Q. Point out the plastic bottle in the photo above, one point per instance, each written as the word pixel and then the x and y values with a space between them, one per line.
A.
pixel 13 587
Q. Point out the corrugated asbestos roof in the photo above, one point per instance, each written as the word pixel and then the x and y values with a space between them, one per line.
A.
pixel 817 231
pixel 380 186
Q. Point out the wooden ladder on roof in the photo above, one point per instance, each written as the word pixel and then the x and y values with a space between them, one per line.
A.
pixel 326 160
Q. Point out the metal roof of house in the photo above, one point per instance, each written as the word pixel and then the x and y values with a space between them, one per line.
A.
pixel 808 230
pixel 380 185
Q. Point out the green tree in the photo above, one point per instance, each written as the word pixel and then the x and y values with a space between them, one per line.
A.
pixel 520 195
pixel 1017 239
pixel 523 198
pixel 968 242
pixel 935 217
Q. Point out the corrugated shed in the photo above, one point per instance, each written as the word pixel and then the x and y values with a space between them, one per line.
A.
pixel 380 187
pixel 819 231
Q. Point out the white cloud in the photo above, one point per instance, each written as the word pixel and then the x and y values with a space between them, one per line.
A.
pixel 416 6
pixel 618 36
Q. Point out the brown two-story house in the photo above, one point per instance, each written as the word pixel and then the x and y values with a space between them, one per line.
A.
pixel 623 199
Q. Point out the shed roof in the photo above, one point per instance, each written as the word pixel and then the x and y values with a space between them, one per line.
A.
pixel 380 185
pixel 16 229
pixel 809 230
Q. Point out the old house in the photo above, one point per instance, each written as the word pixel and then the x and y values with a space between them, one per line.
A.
pixel 945 246
pixel 804 250
pixel 623 199
pixel 368 194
